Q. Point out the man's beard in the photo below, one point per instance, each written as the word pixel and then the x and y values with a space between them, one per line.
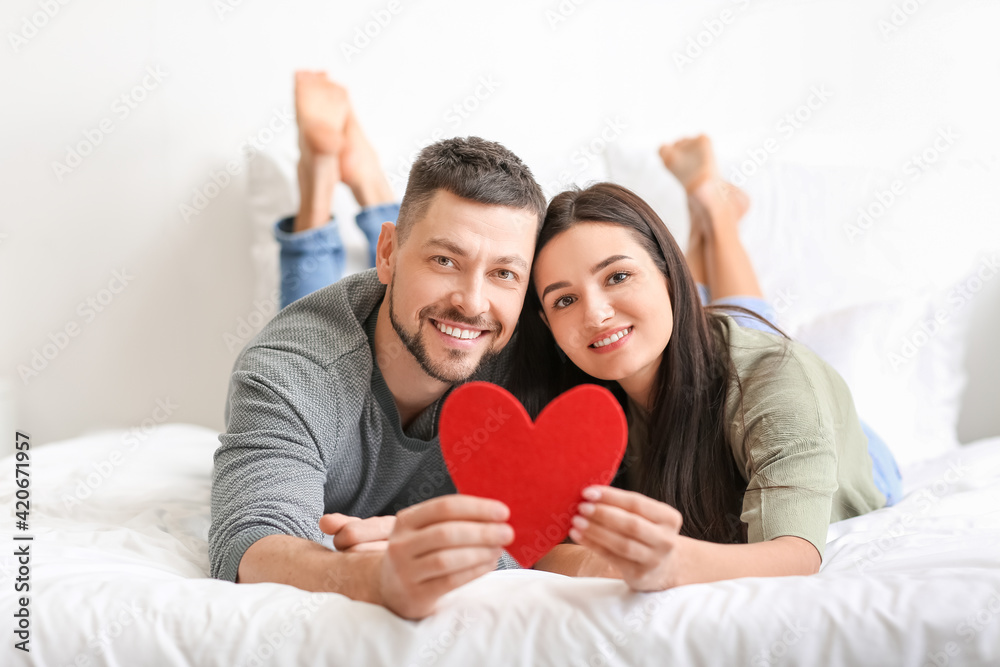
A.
pixel 415 344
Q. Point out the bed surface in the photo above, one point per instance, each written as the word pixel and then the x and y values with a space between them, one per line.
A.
pixel 120 566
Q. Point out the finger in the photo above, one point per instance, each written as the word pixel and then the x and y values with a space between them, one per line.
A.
pixel 331 524
pixel 626 523
pixel 620 564
pixel 364 530
pixel 377 545
pixel 453 507
pixel 441 585
pixel 453 534
pixel 620 545
pixel 445 562
pixel 637 503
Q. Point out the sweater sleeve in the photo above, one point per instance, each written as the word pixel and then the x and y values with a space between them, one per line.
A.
pixel 269 475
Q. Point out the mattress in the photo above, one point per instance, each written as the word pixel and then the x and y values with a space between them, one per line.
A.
pixel 119 576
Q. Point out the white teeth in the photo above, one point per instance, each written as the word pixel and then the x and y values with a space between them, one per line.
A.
pixel 613 337
pixel 455 332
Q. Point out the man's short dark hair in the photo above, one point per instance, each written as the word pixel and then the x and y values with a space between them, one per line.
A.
pixel 474 169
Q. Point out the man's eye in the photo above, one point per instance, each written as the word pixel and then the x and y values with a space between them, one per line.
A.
pixel 506 274
pixel 443 261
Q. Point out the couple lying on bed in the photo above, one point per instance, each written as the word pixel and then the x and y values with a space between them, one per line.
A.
pixel 743 445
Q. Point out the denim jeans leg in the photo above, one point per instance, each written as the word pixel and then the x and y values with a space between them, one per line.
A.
pixel 703 294
pixel 754 303
pixel 310 260
pixel 885 470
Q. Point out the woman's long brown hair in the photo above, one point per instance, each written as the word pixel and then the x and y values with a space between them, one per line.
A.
pixel 688 462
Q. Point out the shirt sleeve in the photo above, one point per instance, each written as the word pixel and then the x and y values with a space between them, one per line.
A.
pixel 791 492
pixel 790 456
pixel 269 476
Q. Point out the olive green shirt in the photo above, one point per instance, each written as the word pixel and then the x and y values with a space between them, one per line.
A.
pixel 802 432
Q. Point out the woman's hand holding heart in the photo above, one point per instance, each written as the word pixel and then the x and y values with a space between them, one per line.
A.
pixel 636 534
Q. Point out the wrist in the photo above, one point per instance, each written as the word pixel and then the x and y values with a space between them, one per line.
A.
pixel 596 566
pixel 688 556
pixel 356 575
pixel 374 577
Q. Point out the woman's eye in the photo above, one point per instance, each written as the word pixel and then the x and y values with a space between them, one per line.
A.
pixel 618 277
pixel 562 302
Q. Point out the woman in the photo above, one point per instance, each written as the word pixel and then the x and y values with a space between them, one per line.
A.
pixel 743 444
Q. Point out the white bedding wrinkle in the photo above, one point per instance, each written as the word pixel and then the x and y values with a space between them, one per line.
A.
pixel 120 577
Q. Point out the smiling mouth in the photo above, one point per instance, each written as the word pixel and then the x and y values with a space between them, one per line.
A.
pixel 457 332
pixel 613 338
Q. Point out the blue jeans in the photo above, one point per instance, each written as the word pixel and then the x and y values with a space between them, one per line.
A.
pixel 884 468
pixel 313 259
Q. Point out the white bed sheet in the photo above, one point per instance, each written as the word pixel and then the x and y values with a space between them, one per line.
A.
pixel 120 578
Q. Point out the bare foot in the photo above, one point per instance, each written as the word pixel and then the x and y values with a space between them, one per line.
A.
pixel 725 204
pixel 691 160
pixel 360 168
pixel 715 250
pixel 321 110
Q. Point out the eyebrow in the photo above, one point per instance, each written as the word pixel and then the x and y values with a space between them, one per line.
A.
pixel 455 249
pixel 594 269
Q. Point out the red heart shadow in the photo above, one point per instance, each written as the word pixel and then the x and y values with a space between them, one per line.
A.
pixel 493 450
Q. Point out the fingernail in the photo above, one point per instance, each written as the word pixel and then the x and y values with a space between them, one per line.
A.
pixel 586 509
pixel 580 522
pixel 575 534
pixel 591 493
pixel 501 512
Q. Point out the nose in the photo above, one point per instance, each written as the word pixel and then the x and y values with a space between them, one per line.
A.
pixel 469 298
pixel 598 311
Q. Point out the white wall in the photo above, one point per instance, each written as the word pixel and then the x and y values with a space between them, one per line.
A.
pixel 227 73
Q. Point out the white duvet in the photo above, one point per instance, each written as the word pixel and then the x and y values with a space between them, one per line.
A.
pixel 119 569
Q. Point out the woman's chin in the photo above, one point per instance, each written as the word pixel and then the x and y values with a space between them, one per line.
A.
pixel 607 374
pixel 622 371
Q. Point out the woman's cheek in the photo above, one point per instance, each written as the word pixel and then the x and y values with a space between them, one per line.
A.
pixel 571 338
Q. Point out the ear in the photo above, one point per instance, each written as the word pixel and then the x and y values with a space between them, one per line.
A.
pixel 385 253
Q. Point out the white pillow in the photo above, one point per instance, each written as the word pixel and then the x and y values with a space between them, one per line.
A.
pixel 904 368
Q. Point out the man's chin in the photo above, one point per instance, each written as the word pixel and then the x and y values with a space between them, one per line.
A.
pixel 453 371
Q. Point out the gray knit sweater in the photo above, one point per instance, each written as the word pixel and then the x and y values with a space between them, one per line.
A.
pixel 311 428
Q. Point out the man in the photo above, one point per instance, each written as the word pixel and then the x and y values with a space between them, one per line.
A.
pixel 332 408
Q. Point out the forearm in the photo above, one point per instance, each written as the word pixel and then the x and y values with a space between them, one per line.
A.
pixel 574 560
pixel 703 562
pixel 302 563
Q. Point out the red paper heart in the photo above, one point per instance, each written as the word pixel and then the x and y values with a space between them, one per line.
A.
pixel 493 450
